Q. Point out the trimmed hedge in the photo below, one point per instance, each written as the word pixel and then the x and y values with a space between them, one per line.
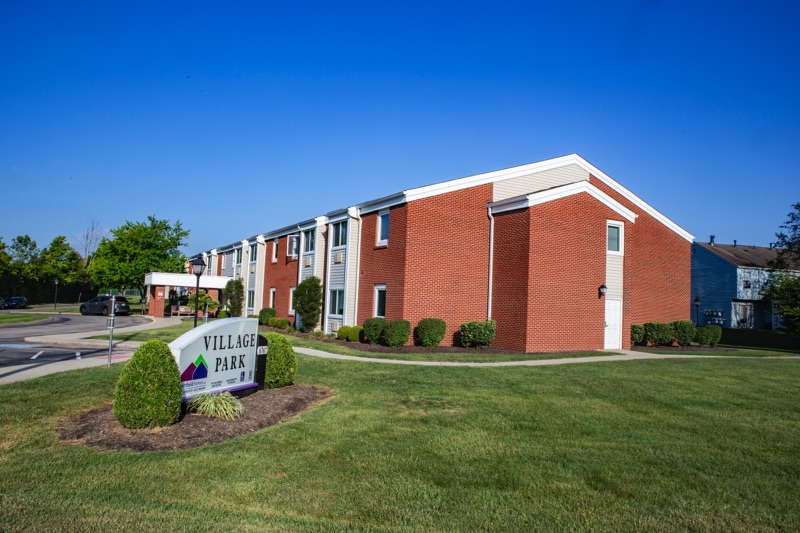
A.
pixel 374 329
pixel 708 335
pixel 355 334
pixel 397 332
pixel 637 333
pixel 222 313
pixel 716 334
pixel 430 332
pixel 149 392
pixel 280 323
pixel 265 314
pixel 343 333
pixel 477 334
pixel 684 331
pixel 658 334
pixel 281 362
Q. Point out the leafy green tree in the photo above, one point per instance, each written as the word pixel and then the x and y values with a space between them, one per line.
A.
pixel 62 262
pixel 24 266
pixel 202 297
pixel 788 243
pixel 308 302
pixel 135 249
pixel 5 268
pixel 234 297
pixel 784 287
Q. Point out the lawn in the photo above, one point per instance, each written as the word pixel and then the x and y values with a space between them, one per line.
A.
pixel 667 445
pixel 726 351
pixel 167 334
pixel 20 318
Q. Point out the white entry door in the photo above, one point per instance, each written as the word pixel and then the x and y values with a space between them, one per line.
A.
pixel 613 337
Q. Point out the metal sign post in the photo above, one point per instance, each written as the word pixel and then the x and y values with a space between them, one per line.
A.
pixel 110 325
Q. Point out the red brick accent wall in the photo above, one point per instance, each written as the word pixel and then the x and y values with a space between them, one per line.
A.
pixel 510 278
pixel 155 305
pixel 383 265
pixel 281 275
pixel 658 265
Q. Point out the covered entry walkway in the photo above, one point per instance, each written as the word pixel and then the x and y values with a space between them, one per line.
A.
pixel 160 283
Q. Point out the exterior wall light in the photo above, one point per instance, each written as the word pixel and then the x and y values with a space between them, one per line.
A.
pixel 198 265
pixel 697 311
pixel 602 290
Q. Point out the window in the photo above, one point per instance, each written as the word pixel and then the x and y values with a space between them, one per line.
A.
pixel 291 300
pixel 238 256
pixel 336 305
pixel 251 299
pixel 253 252
pixel 746 284
pixel 383 228
pixel 223 261
pixel 614 237
pixel 308 240
pixel 380 301
pixel 208 267
pixel 275 251
pixel 272 292
pixel 339 234
pixel 292 245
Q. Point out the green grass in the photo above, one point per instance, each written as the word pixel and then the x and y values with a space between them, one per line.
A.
pixel 727 351
pixel 19 318
pixel 478 356
pixel 667 445
pixel 167 334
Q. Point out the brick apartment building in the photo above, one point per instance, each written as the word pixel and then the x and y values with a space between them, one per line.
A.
pixel 558 253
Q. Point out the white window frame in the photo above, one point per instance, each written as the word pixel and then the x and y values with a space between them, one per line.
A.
pixel 379 288
pixel 237 257
pixel 333 299
pixel 291 300
pixel 223 260
pixel 272 293
pixel 251 298
pixel 381 214
pixel 292 245
pixel 621 226
pixel 339 228
pixel 253 254
pixel 309 240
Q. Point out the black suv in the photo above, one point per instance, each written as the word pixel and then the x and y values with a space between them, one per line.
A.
pixel 16 302
pixel 102 305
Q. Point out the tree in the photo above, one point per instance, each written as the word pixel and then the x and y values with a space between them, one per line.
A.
pixel 234 297
pixel 135 249
pixel 308 302
pixel 788 243
pixel 783 288
pixel 5 269
pixel 89 239
pixel 61 262
pixel 24 265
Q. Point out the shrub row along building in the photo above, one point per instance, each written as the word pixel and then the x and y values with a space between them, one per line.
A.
pixel 559 254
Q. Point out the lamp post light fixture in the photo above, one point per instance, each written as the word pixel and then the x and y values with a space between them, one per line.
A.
pixel 697 311
pixel 198 265
pixel 55 302
pixel 601 291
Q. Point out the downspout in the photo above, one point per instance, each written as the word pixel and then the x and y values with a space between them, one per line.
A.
pixel 327 269
pixel 491 261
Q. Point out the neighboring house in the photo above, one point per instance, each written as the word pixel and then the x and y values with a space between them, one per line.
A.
pixel 530 247
pixel 729 280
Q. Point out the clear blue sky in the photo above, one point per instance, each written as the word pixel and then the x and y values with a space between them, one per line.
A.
pixel 242 117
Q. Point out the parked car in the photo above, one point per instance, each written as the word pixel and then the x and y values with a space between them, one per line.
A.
pixel 2 304
pixel 16 302
pixel 102 305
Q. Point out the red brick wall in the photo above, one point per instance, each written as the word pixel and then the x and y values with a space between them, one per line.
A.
pixel 383 265
pixel 281 275
pixel 658 264
pixel 510 278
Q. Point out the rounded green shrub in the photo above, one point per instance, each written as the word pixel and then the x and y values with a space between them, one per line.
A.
pixel 658 334
pixel 715 334
pixel 477 334
pixel 355 334
pixel 222 313
pixel 148 391
pixel 374 329
pixel 265 314
pixel 280 323
pixel 684 331
pixel 281 362
pixel 397 332
pixel 430 332
pixel 343 332
pixel 637 333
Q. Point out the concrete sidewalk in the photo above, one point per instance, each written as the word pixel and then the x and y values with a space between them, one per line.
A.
pixel 121 351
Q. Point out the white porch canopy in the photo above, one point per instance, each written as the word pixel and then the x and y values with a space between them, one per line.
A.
pixel 164 279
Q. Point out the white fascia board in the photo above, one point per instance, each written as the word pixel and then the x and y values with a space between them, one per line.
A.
pixel 382 203
pixel 635 200
pixel 185 280
pixel 556 193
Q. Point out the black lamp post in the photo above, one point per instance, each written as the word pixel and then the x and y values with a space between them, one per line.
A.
pixel 697 311
pixel 55 303
pixel 198 265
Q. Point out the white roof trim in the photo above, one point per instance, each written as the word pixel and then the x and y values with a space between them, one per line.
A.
pixel 186 280
pixel 522 202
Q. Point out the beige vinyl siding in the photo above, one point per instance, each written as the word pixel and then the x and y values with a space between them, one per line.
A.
pixel 614 276
pixel 352 273
pixel 319 253
pixel 539 181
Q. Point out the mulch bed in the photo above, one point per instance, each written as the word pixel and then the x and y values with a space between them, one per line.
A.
pixel 99 428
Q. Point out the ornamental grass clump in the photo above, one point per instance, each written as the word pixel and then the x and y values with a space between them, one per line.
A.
pixel 281 362
pixel 148 392
pixel 224 405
